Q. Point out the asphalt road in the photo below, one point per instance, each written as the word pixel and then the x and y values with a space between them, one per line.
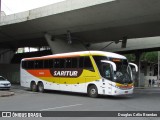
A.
pixel 25 100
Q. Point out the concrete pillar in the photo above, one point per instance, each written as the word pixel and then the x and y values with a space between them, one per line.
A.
pixel 138 62
pixel 62 46
pixel 6 55
pixel 11 72
pixel 158 66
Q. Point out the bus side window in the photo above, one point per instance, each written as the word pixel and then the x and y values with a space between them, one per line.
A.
pixel 56 63
pixel 46 63
pixel 68 63
pixel 88 64
pixel 61 63
pixel 51 63
pixel 74 62
pixel 39 64
pixel 24 64
pixel 30 65
pixel 81 62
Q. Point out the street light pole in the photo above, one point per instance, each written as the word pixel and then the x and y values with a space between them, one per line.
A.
pixel 158 65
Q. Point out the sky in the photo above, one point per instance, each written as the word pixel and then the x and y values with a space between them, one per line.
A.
pixel 15 6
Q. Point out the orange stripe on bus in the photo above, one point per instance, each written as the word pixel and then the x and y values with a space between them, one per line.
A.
pixel 40 73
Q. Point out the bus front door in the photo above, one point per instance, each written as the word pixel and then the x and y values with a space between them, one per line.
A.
pixel 107 80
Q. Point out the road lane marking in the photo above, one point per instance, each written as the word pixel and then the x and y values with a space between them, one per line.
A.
pixel 60 107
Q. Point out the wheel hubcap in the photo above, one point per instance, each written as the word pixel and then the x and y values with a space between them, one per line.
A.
pixel 40 88
pixel 93 91
pixel 34 87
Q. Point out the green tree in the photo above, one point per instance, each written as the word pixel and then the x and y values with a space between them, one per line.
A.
pixel 146 56
pixel 150 57
pixel 130 57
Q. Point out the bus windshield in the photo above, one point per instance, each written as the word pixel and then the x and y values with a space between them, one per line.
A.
pixel 123 73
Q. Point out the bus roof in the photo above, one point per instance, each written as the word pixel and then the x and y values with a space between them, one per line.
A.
pixel 78 54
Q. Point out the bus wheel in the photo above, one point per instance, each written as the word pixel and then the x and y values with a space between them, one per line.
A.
pixel 33 87
pixel 40 87
pixel 92 91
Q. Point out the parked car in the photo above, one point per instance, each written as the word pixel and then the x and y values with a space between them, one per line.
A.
pixel 4 83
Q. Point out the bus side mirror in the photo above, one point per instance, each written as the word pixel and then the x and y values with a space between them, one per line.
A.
pixel 111 63
pixel 134 67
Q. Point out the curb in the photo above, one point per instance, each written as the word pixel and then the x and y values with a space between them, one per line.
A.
pixel 6 93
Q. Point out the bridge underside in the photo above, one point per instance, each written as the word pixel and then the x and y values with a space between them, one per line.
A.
pixel 92 24
pixel 88 22
pixel 132 45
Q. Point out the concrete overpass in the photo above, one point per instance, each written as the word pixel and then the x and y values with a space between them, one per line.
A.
pixel 75 25
pixel 91 21
pixel 139 44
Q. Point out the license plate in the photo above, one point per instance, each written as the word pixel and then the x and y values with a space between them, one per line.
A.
pixel 126 92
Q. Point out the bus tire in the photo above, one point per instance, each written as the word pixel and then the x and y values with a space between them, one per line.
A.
pixel 40 87
pixel 93 91
pixel 33 87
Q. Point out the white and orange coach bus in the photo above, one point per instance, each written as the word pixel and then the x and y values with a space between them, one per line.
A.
pixel 91 72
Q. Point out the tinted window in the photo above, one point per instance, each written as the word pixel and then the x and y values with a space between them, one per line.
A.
pixel 68 62
pixel 98 59
pixel 24 64
pixel 74 62
pixel 48 63
pixel 30 65
pixel 61 63
pixel 87 63
pixel 81 62
pixel 39 64
pixel 56 63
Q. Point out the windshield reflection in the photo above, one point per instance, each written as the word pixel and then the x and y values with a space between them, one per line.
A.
pixel 123 74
